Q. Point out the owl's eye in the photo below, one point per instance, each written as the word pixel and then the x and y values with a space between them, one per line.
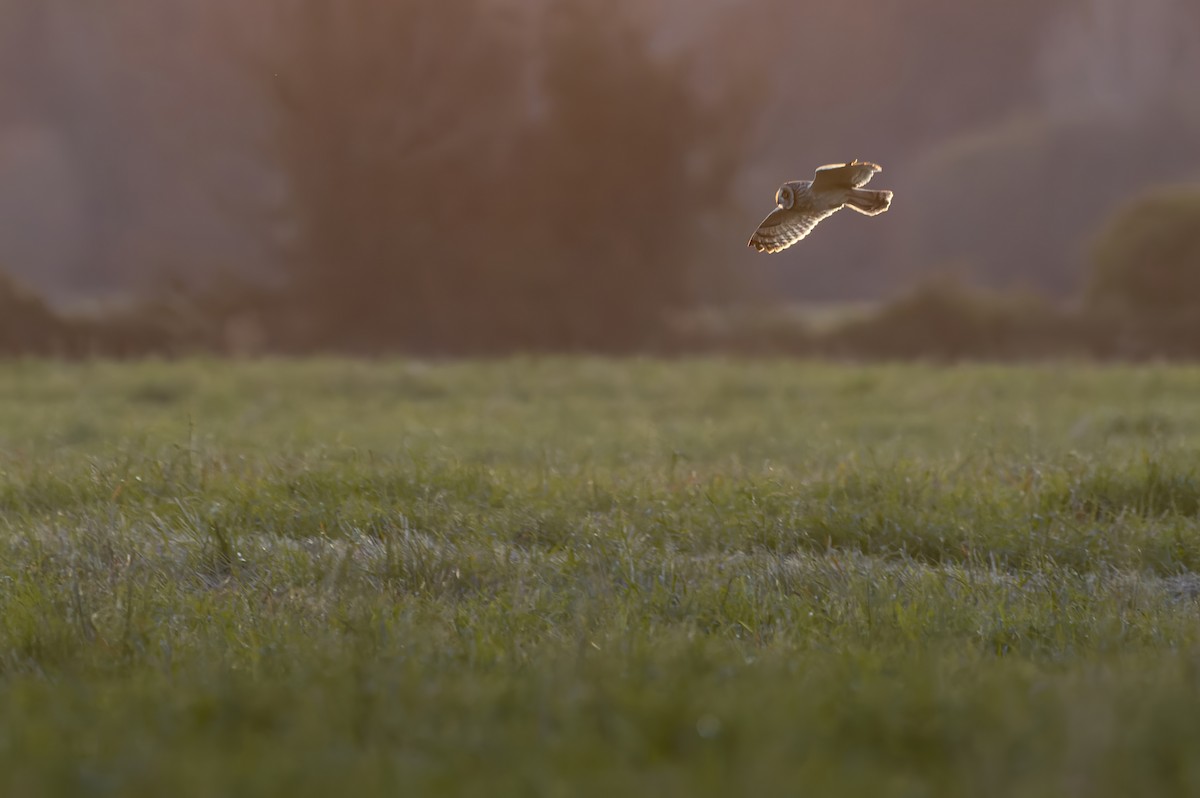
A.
pixel 784 197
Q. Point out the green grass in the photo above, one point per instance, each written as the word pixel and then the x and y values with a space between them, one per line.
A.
pixel 587 577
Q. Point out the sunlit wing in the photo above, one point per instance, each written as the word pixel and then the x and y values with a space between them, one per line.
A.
pixel 783 228
pixel 844 175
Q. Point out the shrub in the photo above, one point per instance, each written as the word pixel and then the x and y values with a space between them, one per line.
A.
pixel 944 320
pixel 1146 260
pixel 1144 283
pixel 27 325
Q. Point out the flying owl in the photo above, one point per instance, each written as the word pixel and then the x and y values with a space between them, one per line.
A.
pixel 800 204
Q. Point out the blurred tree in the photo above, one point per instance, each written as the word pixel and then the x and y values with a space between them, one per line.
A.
pixel 387 121
pixel 628 166
pixel 458 185
pixel 1146 261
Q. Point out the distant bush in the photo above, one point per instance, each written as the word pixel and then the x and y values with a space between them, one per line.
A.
pixel 165 326
pixel 753 331
pixel 27 325
pixel 1146 261
pixel 939 320
pixel 1144 282
pixel 944 320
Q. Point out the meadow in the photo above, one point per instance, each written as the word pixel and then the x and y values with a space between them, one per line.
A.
pixel 572 576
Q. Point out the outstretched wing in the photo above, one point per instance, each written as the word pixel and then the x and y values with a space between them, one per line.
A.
pixel 782 228
pixel 844 175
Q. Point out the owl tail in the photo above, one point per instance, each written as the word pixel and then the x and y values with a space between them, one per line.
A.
pixel 869 201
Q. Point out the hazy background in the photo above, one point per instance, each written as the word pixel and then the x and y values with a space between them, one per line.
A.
pixel 454 173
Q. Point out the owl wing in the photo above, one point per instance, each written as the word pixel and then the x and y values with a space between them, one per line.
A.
pixel 844 175
pixel 782 228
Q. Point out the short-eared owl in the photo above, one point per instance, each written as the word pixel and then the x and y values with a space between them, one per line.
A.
pixel 800 204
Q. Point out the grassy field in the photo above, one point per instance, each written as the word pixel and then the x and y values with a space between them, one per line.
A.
pixel 586 577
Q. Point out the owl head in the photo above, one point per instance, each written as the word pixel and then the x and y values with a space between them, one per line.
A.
pixel 785 197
